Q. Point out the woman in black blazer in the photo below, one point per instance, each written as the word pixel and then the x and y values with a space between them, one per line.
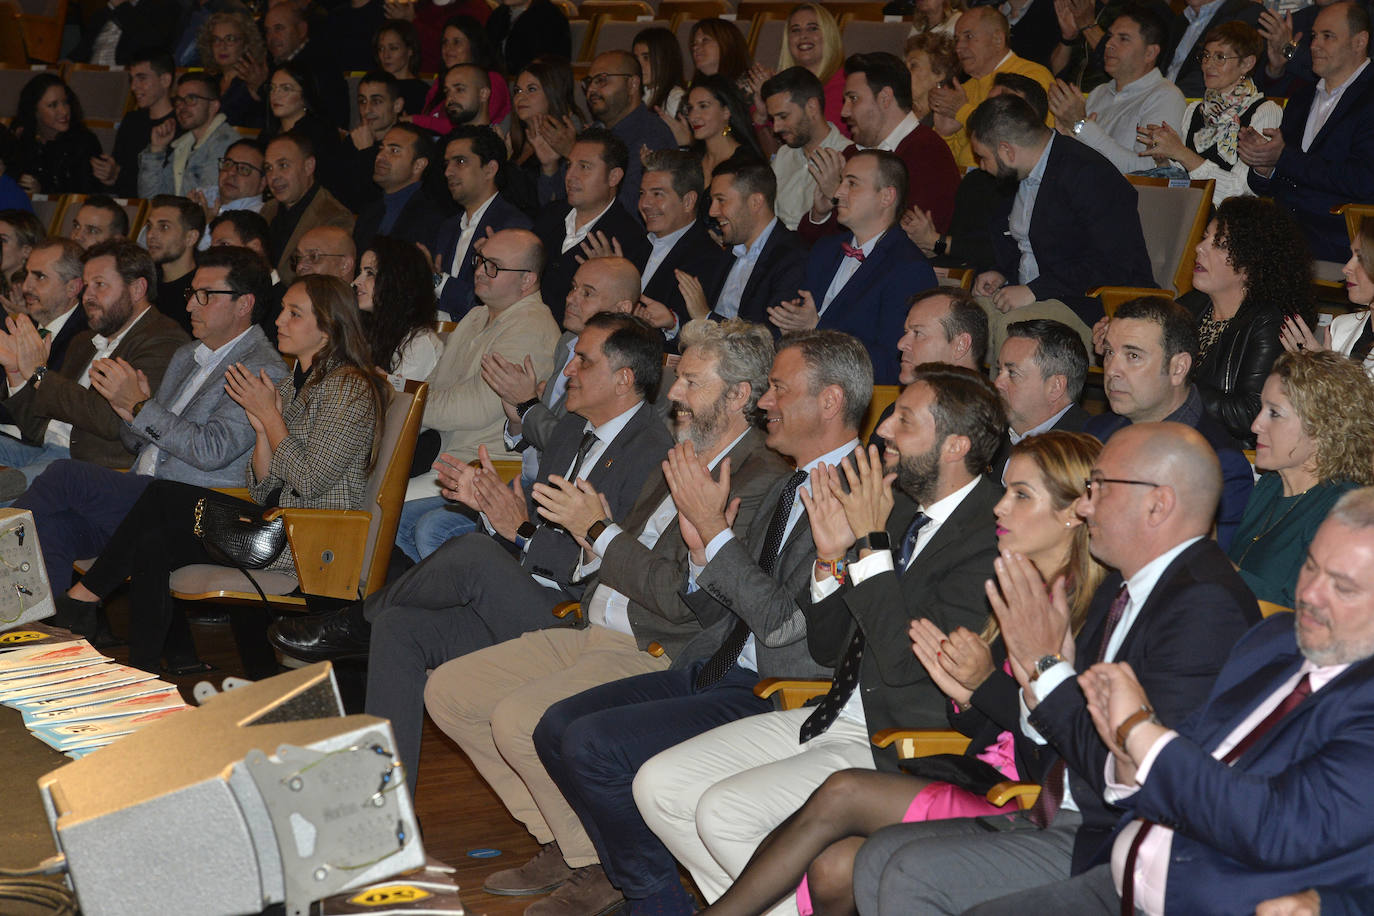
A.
pixel 1252 270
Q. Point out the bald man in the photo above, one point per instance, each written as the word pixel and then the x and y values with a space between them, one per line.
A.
pixel 600 285
pixel 326 250
pixel 510 321
pixel 982 39
pixel 1173 610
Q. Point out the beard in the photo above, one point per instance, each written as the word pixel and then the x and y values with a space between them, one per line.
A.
pixel 918 475
pixel 701 429
pixel 1007 179
pixel 458 115
pixel 113 318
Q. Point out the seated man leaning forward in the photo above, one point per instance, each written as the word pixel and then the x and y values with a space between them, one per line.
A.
pixel 923 553
pixel 190 431
pixel 473 592
pixel 490 701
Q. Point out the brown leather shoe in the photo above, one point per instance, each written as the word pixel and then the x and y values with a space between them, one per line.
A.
pixel 545 872
pixel 587 893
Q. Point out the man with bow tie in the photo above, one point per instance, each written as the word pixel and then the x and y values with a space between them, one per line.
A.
pixel 862 282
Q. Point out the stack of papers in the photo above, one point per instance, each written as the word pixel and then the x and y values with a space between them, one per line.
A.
pixel 73 698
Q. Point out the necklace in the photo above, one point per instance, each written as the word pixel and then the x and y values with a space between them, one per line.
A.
pixel 1270 524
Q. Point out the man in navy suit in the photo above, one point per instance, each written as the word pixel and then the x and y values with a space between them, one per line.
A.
pixel 1071 226
pixel 406 210
pixel 1173 610
pixel 473 157
pixel 682 252
pixel 769 259
pixel 862 282
pixel 1258 791
pixel 596 166
pixel 1322 154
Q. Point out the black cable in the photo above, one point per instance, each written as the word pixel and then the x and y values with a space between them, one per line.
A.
pixel 56 898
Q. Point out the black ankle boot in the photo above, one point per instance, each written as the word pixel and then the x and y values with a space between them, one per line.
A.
pixel 78 616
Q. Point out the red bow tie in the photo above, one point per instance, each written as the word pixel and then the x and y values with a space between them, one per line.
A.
pixel 851 252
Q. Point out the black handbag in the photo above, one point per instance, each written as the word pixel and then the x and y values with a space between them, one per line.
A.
pixel 234 538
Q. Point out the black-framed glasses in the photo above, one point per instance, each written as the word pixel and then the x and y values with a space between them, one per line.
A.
pixel 1093 485
pixel 311 258
pixel 188 99
pixel 246 169
pixel 600 79
pixel 202 296
pixel 492 268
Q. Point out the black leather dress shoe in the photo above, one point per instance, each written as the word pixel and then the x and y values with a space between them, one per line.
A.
pixel 322 637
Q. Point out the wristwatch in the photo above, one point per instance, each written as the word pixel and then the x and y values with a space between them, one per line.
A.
pixel 1045 663
pixel 526 530
pixel 139 406
pixel 1079 125
pixel 1289 50
pixel 874 540
pixel 595 530
pixel 524 406
pixel 37 376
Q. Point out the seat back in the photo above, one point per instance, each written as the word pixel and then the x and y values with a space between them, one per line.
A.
pixel 386 487
pixel 104 93
pixel 874 36
pixel 48 208
pixel 883 396
pixel 769 34
pixel 624 10
pixel 15 76
pixel 42 21
pixel 581 31
pixel 616 35
pixel 104 132
pixel 1173 216
pixel 1355 214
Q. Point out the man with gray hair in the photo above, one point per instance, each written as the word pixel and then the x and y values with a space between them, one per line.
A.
pixel 490 701
pixel 682 256
pixel 1040 374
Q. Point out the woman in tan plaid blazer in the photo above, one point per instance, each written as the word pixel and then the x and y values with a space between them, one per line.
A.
pixel 317 433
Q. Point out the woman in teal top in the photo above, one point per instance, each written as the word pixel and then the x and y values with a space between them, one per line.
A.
pixel 1314 441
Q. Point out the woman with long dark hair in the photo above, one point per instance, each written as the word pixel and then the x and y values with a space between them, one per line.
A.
pixel 395 288
pixel 660 67
pixel 317 435
pixel 715 121
pixel 1252 270
pixel 53 147
pixel 396 50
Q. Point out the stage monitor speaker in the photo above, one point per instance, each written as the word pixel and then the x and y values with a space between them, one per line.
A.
pixel 25 595
pixel 265 794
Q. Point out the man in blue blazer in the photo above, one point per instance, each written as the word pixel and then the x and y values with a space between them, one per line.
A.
pixel 406 209
pixel 769 259
pixel 862 282
pixel 1259 791
pixel 1322 156
pixel 1072 224
pixel 191 430
pixel 1173 611
pixel 473 158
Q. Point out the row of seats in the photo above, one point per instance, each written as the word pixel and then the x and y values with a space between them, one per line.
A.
pixel 103 91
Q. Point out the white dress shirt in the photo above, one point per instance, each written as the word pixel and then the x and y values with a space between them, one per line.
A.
pixel 659 246
pixel 59 433
pixel 848 267
pixel 796 187
pixel 1151 99
pixel 573 234
pixel 1323 103
pixel 746 257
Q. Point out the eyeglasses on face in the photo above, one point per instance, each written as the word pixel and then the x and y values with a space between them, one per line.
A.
pixel 493 269
pixel 598 80
pixel 187 99
pixel 246 169
pixel 311 258
pixel 1093 485
pixel 202 296
pixel 1205 56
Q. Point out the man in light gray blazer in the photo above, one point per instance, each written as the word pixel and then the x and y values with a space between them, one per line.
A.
pixel 189 431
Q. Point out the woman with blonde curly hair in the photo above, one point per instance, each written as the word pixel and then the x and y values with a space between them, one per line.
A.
pixel 1036 520
pixel 1314 441
pixel 230 44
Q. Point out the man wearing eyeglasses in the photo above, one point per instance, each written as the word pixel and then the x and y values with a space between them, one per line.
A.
pixel 241 181
pixel 189 431
pixel 614 89
pixel 328 251
pixel 1173 609
pixel 190 161
pixel 1148 353
pixel 1138 96
pixel 298 203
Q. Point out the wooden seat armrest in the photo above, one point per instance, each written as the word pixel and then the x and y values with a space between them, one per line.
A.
pixel 329 546
pixel 1025 793
pixel 922 742
pixel 236 492
pixel 1113 296
pixel 563 608
pixel 795 691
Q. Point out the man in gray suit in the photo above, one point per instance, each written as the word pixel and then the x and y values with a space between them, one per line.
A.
pixel 743 587
pixel 189 431
pixel 473 592
pixel 490 701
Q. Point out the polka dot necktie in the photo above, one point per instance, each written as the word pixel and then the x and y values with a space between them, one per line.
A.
pixel 724 658
pixel 847 674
